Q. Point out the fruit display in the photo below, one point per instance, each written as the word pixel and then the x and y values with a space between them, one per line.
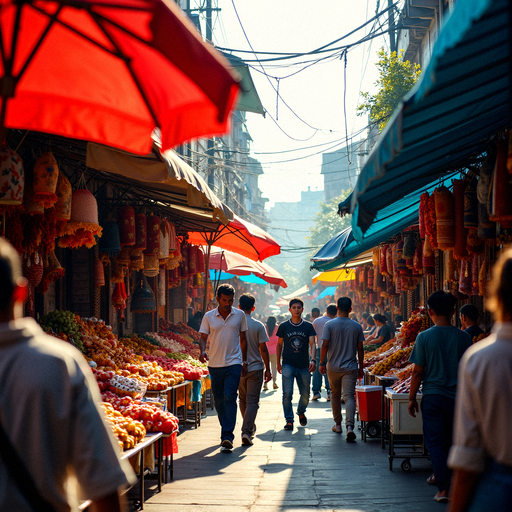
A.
pixel 181 328
pixel 138 344
pixel 189 371
pixel 395 359
pixel 383 348
pixel 177 343
pixel 418 322
pixel 150 415
pixel 63 325
pixel 402 386
pixel 126 386
pixel 128 431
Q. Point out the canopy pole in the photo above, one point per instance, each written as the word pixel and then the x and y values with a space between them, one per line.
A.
pixel 206 276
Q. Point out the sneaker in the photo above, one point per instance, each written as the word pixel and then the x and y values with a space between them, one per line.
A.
pixel 275 386
pixel 246 440
pixel 253 433
pixel 442 498
pixel 316 396
pixel 303 420
pixel 288 426
pixel 351 436
pixel 328 397
pixel 337 428
pixel 227 445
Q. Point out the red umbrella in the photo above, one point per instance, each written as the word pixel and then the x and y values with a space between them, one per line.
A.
pixel 110 71
pixel 241 237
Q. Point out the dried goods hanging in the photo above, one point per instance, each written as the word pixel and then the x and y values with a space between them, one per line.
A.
pixel 475 245
pixel 383 260
pixel 445 224
pixel 486 227
pixel 422 214
pixel 465 277
pixel 501 210
pixel 475 267
pixel 430 220
pixel 471 205
pixel 461 233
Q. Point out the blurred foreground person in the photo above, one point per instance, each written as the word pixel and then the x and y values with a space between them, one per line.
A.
pixel 55 446
pixel 481 456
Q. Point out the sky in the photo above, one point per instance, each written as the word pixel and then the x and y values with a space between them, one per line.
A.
pixel 290 146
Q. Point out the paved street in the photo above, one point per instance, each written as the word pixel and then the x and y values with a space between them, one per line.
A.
pixel 308 469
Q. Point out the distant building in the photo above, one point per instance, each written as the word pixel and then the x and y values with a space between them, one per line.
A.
pixel 340 169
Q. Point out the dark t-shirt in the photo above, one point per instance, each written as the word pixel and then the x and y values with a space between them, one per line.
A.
pixel 386 331
pixel 296 342
pixel 474 330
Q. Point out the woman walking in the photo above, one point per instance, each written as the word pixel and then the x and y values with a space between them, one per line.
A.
pixel 271 345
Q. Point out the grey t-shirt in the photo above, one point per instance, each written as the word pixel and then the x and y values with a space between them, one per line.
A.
pixel 255 334
pixel 343 334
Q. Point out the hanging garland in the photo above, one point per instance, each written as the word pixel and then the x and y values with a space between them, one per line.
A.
pixel 430 221
pixel 460 251
pixel 423 210
pixel 445 224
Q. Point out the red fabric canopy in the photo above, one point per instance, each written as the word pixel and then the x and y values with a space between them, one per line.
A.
pixel 241 237
pixel 110 72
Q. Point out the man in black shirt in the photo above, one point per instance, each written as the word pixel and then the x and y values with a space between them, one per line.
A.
pixel 469 319
pixel 296 343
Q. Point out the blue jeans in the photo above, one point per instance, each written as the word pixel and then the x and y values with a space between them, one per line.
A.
pixel 225 383
pixel 438 411
pixel 317 377
pixel 493 490
pixel 303 378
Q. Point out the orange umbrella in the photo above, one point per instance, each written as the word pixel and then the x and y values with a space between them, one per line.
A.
pixel 110 72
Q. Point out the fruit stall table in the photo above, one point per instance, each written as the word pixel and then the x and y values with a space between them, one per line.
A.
pixel 385 382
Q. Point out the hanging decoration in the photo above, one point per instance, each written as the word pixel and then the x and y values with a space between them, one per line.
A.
pixel 12 178
pixel 449 267
pixel 140 232
pixel 143 298
pixel 375 257
pixel 383 260
pixel 126 223
pixel 136 259
pixel 192 260
pixel 430 221
pixel 389 261
pixel 486 227
pixel 485 180
pixel 460 251
pixel 475 267
pixel 64 193
pixel 471 206
pixel 151 265
pixel 401 263
pixel 428 258
pixel 110 242
pixel 99 273
pixel 445 224
pixel 29 205
pixel 482 275
pixel 501 210
pixel 83 225
pixel 475 245
pixel 46 176
pixel 371 277
pixel 161 288
pixel 418 260
pixel 408 250
pixel 52 271
pixel 124 256
pixel 165 242
pixel 200 266
pixel 118 273
pixel 119 297
pixel 465 278
pixel 33 268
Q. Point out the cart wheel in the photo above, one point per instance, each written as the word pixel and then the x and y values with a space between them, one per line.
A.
pixel 406 465
pixel 373 430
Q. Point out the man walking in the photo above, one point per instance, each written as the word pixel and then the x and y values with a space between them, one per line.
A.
pixel 318 325
pixel 54 441
pixel 257 354
pixel 296 342
pixel 225 328
pixel 469 318
pixel 343 346
pixel 436 355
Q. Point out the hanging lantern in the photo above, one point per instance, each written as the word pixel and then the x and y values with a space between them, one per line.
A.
pixel 83 225
pixel 484 182
pixel 110 242
pixel 418 260
pixel 371 278
pixel 428 258
pixel 165 241
pixel 409 250
pixel 501 188
pixel 12 177
pixel 46 175
pixel 430 221
pixel 198 280
pixel 126 223
pixel 461 233
pixel 161 288
pixel 449 267
pixel 383 260
pixel 33 268
pixel 375 257
pixel 423 213
pixel 486 227
pixel 140 232
pixel 64 194
pixel 143 298
pixel 474 244
pixel 191 260
pixel 119 297
pixel 153 236
pixel 136 259
pixel 475 266
pixel 118 273
pixel 445 222
pixel 401 263
pixel 99 273
pixel 151 265
pixel 52 271
pixel 200 266
pixel 465 278
pixel 471 206
pixel 29 205
pixel 124 257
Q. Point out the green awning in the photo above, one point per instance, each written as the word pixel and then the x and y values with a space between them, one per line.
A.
pixel 248 99
pixel 388 222
pixel 462 99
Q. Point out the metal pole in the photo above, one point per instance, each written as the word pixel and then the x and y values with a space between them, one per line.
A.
pixel 206 276
pixel 391 22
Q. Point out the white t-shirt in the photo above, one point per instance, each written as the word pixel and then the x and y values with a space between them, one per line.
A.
pixel 224 337
pixel 49 407
pixel 319 324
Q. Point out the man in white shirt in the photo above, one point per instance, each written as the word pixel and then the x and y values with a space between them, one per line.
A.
pixel 224 327
pixel 318 325
pixel 53 427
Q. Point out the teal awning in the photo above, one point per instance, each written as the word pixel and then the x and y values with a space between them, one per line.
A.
pixel 388 222
pixel 462 99
pixel 328 292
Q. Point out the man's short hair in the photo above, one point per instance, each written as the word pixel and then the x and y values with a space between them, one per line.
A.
pixel 225 289
pixel 471 311
pixel 398 319
pixel 380 318
pixel 246 302
pixel 365 315
pixel 315 310
pixel 370 320
pixel 296 300
pixel 442 303
pixel 344 304
pixel 10 272
pixel 331 309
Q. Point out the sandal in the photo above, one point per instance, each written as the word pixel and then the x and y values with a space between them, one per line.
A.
pixel 288 426
pixel 431 479
pixel 303 420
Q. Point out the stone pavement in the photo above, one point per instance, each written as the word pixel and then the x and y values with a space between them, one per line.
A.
pixel 310 468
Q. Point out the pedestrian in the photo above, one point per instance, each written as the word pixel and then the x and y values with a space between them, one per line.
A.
pixel 383 335
pixel 343 347
pixel 353 316
pixel 315 313
pixel 297 344
pixel 370 331
pixel 318 325
pixel 469 318
pixel 481 455
pixel 272 346
pixel 363 322
pixel 398 322
pixel 436 355
pixel 257 357
pixel 54 441
pixel 225 328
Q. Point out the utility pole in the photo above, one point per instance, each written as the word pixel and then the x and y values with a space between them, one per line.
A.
pixel 210 151
pixel 391 23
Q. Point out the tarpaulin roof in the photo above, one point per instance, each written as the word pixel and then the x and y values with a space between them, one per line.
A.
pixel 297 293
pixel 462 98
pixel 331 290
pixel 388 222
pixel 334 276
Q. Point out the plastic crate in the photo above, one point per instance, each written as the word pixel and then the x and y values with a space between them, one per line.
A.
pixel 401 422
pixel 369 402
